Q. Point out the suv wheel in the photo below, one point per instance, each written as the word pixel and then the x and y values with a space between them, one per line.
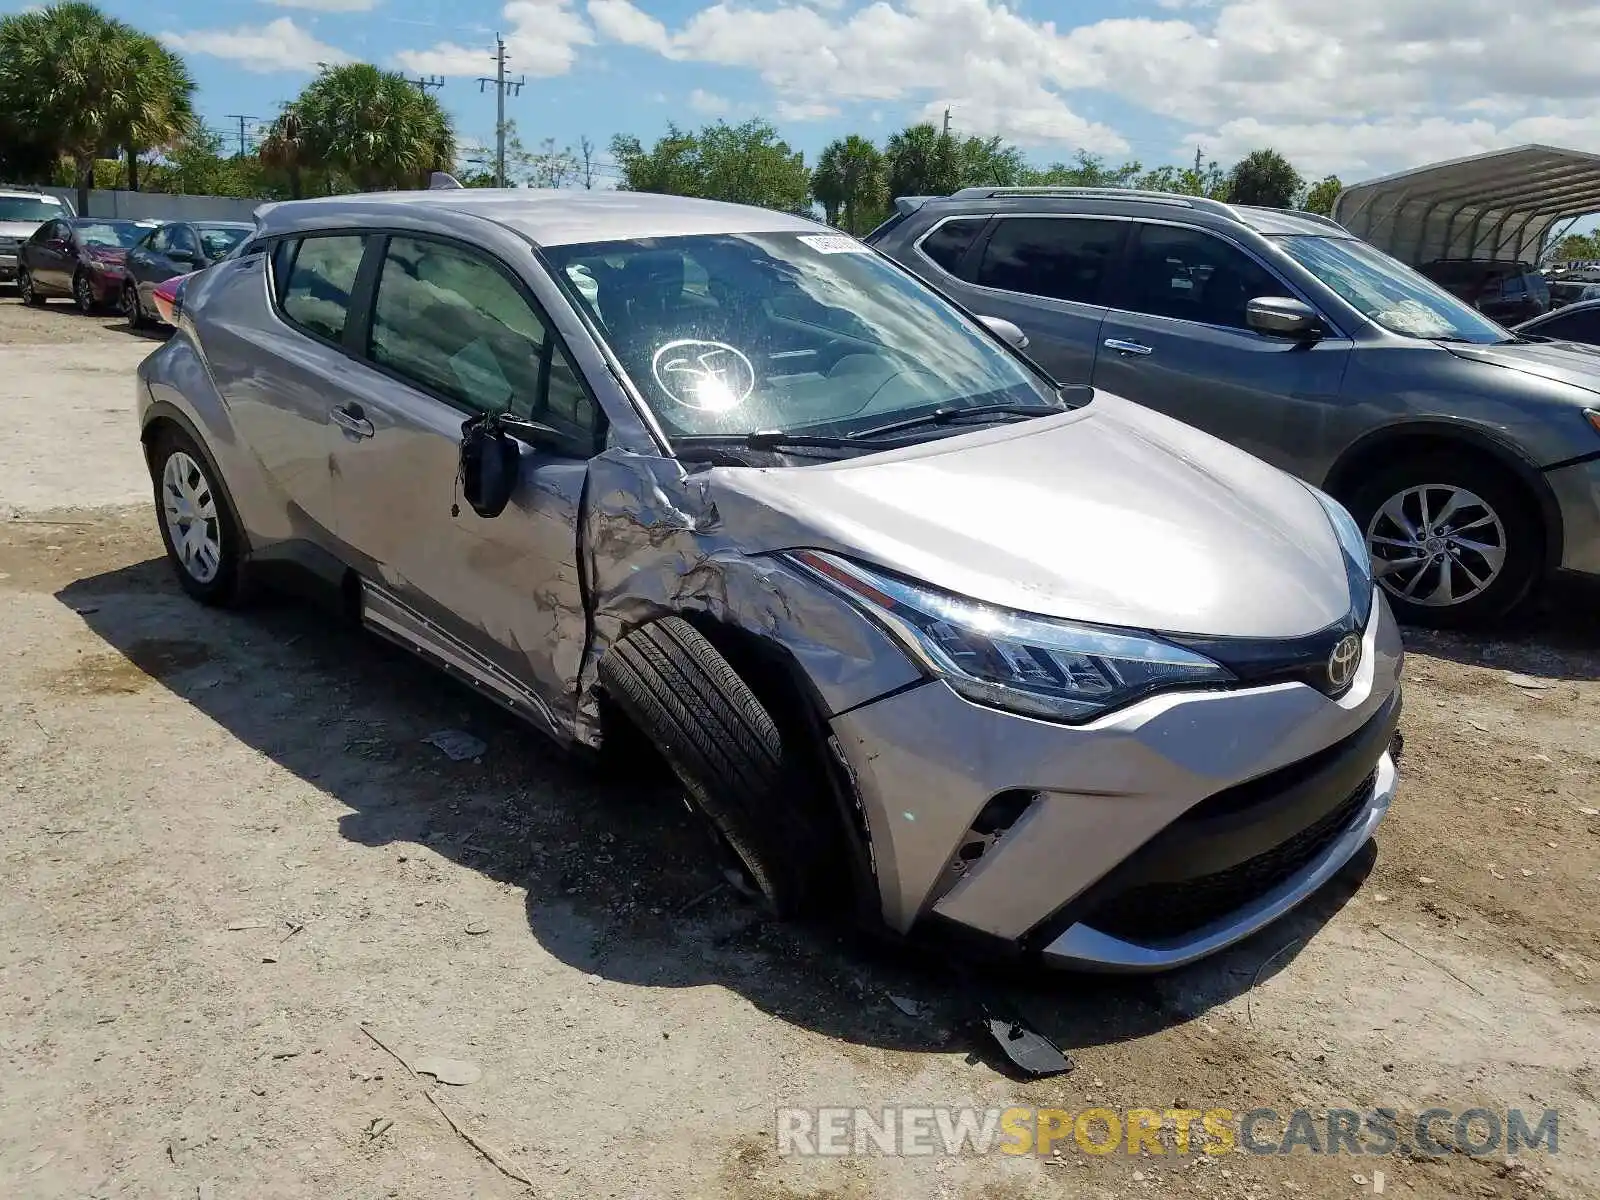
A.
pixel 202 536
pixel 1455 540
pixel 728 754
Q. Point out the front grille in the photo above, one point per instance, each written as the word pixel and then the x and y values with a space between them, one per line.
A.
pixel 1156 911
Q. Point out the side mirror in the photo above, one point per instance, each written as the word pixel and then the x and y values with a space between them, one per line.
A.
pixel 1283 317
pixel 491 458
pixel 59 245
pixel 181 256
pixel 1006 332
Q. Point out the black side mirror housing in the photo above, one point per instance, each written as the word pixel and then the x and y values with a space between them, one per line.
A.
pixel 181 256
pixel 491 458
pixel 1283 317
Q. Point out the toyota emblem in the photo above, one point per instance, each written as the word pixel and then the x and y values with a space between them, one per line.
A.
pixel 1343 661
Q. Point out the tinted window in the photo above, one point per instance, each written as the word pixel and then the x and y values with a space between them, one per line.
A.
pixel 1191 275
pixel 318 283
pixel 219 241
pixel 183 239
pixel 946 244
pixel 1577 327
pixel 1062 258
pixel 458 326
pixel 160 241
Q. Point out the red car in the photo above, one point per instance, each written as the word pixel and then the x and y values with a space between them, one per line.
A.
pixel 80 258
pixel 168 296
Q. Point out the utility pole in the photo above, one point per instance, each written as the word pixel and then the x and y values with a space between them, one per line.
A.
pixel 1197 161
pixel 243 148
pixel 501 86
pixel 423 83
pixel 947 122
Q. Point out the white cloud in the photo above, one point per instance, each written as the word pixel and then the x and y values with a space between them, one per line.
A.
pixel 1357 86
pixel 709 104
pixel 543 40
pixel 334 6
pixel 805 110
pixel 279 45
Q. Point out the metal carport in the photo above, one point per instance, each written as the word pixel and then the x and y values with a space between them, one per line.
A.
pixel 1496 205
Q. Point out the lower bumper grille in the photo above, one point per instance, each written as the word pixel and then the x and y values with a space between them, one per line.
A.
pixel 1156 911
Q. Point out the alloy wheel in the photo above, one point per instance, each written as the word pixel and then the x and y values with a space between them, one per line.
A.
pixel 1436 545
pixel 25 286
pixel 130 304
pixel 83 294
pixel 190 509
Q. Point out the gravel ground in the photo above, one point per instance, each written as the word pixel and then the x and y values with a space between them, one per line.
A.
pixel 240 894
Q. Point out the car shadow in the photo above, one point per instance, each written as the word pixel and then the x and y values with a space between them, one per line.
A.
pixel 1555 636
pixel 617 876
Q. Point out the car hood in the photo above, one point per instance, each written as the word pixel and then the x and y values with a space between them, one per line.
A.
pixel 1563 362
pixel 21 230
pixel 1111 513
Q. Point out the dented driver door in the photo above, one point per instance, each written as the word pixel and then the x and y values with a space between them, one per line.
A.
pixel 496 599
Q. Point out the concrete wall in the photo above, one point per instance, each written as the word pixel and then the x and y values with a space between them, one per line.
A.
pixel 159 207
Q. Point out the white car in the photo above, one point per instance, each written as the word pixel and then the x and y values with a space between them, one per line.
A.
pixel 21 212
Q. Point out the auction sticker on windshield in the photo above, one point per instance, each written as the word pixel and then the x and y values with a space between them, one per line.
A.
pixel 833 243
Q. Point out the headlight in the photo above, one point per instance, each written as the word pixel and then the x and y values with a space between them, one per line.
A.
pixel 1357 555
pixel 1034 665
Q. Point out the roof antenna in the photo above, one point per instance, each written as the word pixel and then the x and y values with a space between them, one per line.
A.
pixel 443 181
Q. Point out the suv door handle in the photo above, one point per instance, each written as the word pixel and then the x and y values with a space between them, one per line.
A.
pixel 1126 348
pixel 352 419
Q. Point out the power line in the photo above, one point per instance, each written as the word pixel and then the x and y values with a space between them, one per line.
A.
pixel 501 86
pixel 423 83
pixel 241 118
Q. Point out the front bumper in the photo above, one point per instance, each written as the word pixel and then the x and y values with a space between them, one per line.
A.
pixel 106 285
pixel 1250 799
pixel 8 267
pixel 1577 491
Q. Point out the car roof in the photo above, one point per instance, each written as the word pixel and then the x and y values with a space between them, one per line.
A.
pixel 1115 201
pixel 1564 310
pixel 28 194
pixel 548 216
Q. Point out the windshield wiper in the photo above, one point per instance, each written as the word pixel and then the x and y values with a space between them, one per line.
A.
pixel 951 414
pixel 772 439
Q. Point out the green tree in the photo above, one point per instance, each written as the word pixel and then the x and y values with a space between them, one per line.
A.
pixel 744 164
pixel 1320 198
pixel 548 167
pixel 849 182
pixel 1264 178
pixel 77 83
pixel 1087 170
pixel 1575 247
pixel 373 126
pixel 921 160
pixel 284 149
pixel 990 162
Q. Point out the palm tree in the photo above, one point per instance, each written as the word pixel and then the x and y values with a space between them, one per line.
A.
pixel 922 161
pixel 154 104
pixel 1265 178
pixel 284 148
pixel 849 179
pixel 374 126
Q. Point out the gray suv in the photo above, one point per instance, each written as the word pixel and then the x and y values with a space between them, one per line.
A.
pixel 1469 456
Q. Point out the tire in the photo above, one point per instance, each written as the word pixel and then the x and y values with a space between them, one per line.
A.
pixel 1491 510
pixel 132 309
pixel 26 292
pixel 183 475
pixel 83 295
pixel 729 755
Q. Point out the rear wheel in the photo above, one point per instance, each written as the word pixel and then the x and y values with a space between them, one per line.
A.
pixel 739 771
pixel 1455 539
pixel 26 291
pixel 198 526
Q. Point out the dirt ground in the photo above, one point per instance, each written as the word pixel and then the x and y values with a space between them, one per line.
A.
pixel 240 894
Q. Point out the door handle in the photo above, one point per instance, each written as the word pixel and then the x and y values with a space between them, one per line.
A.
pixel 351 419
pixel 1127 348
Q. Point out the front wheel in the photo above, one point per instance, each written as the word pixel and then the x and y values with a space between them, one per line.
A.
pixel 740 772
pixel 26 291
pixel 132 310
pixel 1455 539
pixel 83 294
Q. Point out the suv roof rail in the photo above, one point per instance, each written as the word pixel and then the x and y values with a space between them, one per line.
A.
pixel 1175 199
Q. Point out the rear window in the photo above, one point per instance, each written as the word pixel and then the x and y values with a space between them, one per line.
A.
pixel 948 243
pixel 1061 258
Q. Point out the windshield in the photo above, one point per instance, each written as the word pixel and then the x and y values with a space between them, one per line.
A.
pixel 29 208
pixel 1389 292
pixel 734 333
pixel 110 233
pixel 218 240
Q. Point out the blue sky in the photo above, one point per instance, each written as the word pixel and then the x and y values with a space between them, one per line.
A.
pixel 1359 87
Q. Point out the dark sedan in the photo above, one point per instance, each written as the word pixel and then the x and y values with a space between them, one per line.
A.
pixel 80 258
pixel 179 248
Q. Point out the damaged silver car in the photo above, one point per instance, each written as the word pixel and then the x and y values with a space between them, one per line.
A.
pixel 921 633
